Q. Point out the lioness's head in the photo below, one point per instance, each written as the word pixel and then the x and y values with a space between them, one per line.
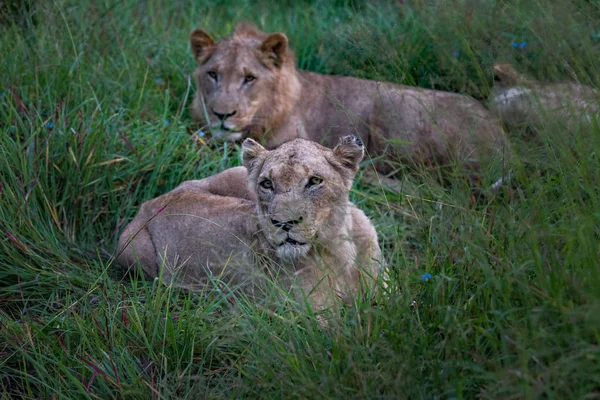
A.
pixel 245 82
pixel 506 75
pixel 302 191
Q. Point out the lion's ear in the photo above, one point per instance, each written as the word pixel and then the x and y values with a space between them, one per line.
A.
pixel 252 154
pixel 349 151
pixel 275 47
pixel 200 42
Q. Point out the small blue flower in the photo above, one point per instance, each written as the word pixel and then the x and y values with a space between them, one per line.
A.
pixel 426 277
pixel 201 134
pixel 523 44
pixel 50 125
pixel 167 122
pixel 515 44
pixel 159 80
pixel 1 95
pixel 456 53
pixel 12 128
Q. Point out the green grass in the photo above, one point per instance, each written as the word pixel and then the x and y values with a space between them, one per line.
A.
pixel 512 309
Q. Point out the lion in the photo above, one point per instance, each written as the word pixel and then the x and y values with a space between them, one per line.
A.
pixel 523 102
pixel 283 216
pixel 248 86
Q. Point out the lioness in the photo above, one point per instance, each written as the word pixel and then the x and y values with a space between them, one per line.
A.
pixel 520 101
pixel 289 206
pixel 248 86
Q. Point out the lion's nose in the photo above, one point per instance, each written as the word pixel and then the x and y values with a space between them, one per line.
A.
pixel 287 225
pixel 224 116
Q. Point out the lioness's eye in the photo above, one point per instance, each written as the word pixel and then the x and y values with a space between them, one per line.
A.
pixel 267 184
pixel 313 181
pixel 212 74
pixel 249 78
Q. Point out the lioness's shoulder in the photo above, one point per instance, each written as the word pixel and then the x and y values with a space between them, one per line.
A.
pixel 232 182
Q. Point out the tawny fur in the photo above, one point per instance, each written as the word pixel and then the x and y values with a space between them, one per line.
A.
pixel 523 102
pixel 226 227
pixel 280 102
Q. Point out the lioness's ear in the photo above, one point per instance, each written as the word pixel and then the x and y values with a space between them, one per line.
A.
pixel 200 41
pixel 349 151
pixel 275 47
pixel 252 154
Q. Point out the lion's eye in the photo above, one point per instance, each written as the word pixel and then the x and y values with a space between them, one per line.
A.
pixel 212 74
pixel 267 184
pixel 249 78
pixel 313 181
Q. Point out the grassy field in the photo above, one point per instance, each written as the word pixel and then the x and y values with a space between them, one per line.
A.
pixel 94 120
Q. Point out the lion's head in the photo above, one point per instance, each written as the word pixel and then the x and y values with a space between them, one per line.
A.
pixel 245 83
pixel 506 75
pixel 302 190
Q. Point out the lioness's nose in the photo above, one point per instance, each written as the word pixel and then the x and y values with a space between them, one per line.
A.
pixel 287 225
pixel 224 116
